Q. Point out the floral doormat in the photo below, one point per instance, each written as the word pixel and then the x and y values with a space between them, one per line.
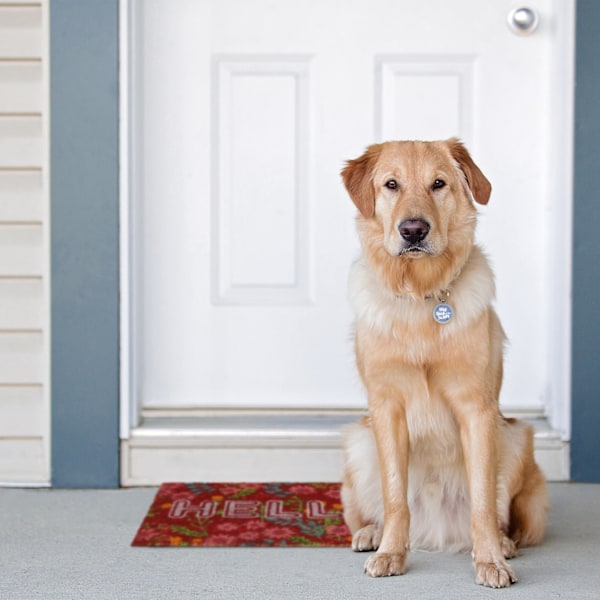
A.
pixel 245 514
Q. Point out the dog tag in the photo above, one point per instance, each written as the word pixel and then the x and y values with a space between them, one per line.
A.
pixel 443 313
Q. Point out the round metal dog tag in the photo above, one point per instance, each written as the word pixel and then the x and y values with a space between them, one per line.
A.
pixel 443 313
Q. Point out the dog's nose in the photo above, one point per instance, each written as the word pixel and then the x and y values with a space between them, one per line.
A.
pixel 414 230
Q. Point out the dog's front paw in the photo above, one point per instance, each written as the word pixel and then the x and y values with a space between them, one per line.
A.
pixel 383 564
pixel 494 574
pixel 367 538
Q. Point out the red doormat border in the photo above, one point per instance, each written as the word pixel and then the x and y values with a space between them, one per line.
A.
pixel 245 514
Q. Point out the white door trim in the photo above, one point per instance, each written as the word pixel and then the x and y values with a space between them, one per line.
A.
pixel 558 406
pixel 129 407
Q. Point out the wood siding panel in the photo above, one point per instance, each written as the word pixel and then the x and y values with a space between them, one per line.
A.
pixel 21 251
pixel 22 411
pixel 21 358
pixel 21 196
pixel 21 87
pixel 21 305
pixel 23 460
pixel 24 246
pixel 20 30
pixel 21 142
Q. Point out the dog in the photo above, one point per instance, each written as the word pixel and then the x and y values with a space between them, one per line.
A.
pixel 434 465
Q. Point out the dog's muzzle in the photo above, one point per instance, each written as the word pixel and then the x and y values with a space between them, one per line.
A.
pixel 414 232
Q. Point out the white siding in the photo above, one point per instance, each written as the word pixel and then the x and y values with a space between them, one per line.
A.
pixel 24 244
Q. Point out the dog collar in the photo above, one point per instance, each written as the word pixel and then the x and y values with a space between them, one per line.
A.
pixel 442 312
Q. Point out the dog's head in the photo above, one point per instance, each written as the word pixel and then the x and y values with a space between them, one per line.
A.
pixel 416 212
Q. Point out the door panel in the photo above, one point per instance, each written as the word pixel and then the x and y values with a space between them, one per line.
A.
pixel 244 113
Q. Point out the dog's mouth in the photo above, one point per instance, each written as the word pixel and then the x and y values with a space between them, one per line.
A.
pixel 415 250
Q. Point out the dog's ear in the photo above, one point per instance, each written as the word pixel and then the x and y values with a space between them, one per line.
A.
pixel 358 179
pixel 481 188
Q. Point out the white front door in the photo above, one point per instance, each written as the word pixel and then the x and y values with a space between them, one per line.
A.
pixel 242 114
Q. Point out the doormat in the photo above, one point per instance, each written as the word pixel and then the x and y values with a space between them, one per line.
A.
pixel 245 514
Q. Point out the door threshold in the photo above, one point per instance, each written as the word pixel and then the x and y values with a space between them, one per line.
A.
pixel 228 445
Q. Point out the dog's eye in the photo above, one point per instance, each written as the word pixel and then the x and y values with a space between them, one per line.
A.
pixel 392 184
pixel 438 184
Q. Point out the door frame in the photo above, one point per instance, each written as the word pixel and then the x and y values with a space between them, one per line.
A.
pixel 558 404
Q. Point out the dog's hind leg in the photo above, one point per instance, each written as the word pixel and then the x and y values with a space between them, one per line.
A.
pixel 522 493
pixel 529 509
pixel 365 536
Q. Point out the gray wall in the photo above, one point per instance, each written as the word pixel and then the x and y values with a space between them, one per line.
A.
pixel 585 445
pixel 84 174
pixel 84 246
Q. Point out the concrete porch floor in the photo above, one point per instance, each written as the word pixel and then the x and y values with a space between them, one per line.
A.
pixel 64 544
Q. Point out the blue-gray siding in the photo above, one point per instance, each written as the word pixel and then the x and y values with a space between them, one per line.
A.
pixel 585 443
pixel 84 243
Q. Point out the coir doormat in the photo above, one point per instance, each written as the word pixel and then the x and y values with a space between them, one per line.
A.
pixel 245 514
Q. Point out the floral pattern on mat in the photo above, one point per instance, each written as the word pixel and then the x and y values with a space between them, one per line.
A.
pixel 245 514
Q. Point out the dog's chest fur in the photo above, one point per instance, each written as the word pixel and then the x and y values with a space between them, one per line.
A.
pixel 407 322
pixel 401 333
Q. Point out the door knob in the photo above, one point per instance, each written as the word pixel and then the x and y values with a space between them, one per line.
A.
pixel 523 20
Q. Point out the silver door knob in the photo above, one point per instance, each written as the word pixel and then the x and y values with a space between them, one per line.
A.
pixel 523 20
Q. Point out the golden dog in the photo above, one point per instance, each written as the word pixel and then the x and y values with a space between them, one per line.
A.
pixel 435 465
